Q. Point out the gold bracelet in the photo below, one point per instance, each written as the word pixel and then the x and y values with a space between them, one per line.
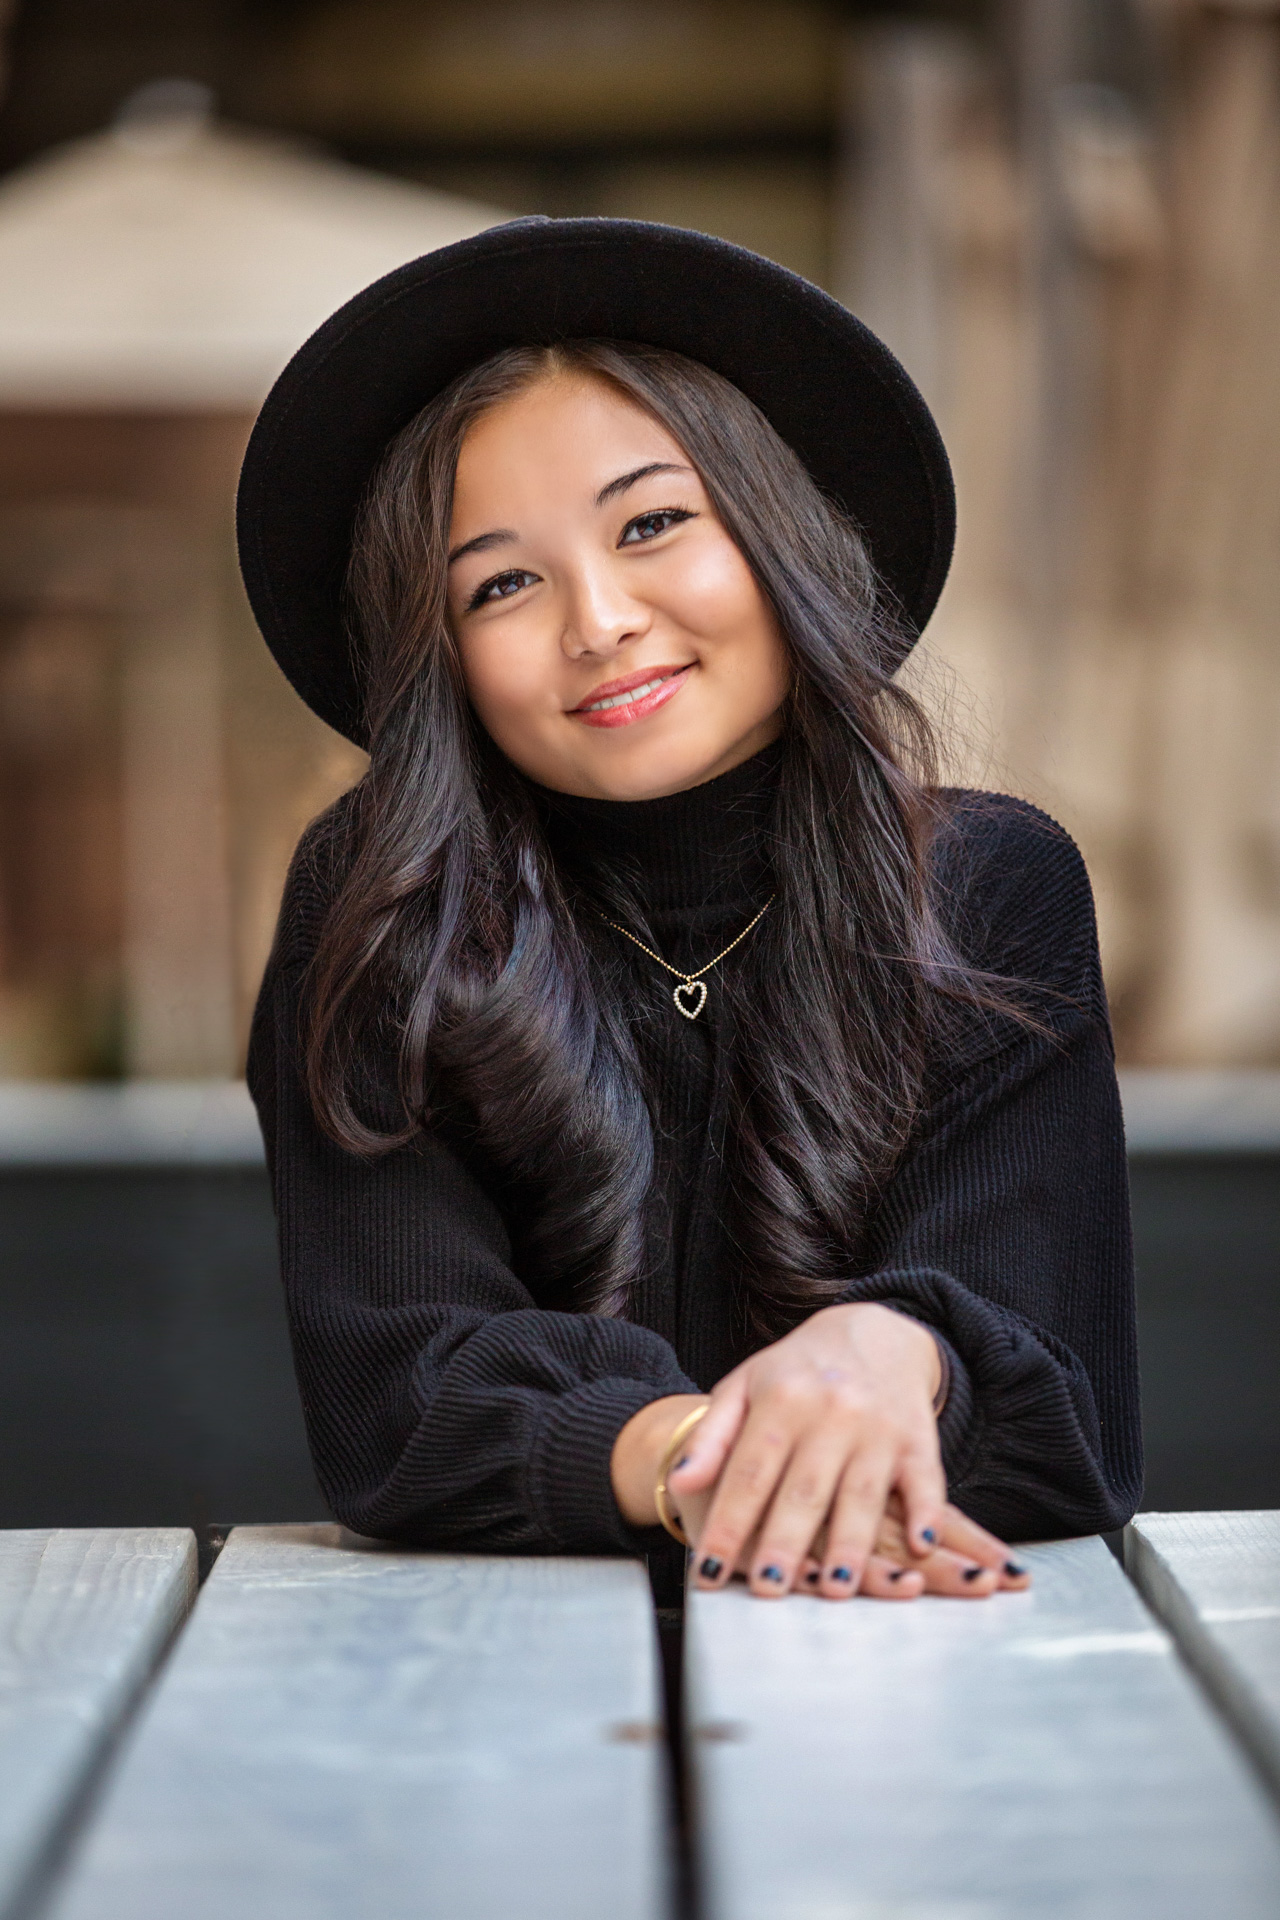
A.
pixel 679 1433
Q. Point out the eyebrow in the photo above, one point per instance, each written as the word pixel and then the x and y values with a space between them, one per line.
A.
pixel 500 537
pixel 503 536
pixel 625 480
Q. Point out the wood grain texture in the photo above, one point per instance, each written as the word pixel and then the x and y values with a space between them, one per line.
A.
pixel 85 1615
pixel 1036 1754
pixel 1214 1580
pixel 350 1730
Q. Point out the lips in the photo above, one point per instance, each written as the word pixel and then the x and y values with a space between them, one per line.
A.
pixel 619 703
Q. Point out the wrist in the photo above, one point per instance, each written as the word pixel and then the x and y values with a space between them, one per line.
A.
pixel 637 1455
pixel 942 1392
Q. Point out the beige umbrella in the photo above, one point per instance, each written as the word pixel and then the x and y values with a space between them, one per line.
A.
pixel 173 263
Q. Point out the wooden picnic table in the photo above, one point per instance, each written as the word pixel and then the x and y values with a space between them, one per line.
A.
pixel 346 1730
pixel 85 1616
pixel 1041 1753
pixel 1214 1580
pixel 349 1729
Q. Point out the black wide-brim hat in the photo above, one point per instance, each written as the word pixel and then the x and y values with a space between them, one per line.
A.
pixel 827 385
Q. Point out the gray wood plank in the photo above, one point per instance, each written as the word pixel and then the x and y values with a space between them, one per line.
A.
pixel 1038 1754
pixel 347 1730
pixel 85 1615
pixel 1214 1580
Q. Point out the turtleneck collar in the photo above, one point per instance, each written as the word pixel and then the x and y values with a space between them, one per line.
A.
pixel 708 846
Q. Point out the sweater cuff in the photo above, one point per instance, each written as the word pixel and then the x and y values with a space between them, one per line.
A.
pixel 569 1473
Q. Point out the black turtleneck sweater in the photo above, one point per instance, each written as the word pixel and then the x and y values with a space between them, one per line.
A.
pixel 445 1407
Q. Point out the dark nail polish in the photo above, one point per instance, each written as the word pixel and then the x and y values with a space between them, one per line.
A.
pixel 974 1573
pixel 842 1574
pixel 1014 1571
pixel 683 1461
pixel 811 1579
pixel 927 1533
pixel 711 1568
pixel 897 1573
pixel 772 1573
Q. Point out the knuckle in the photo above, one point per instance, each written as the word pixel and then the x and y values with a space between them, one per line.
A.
pixel 805 1492
pixel 864 1485
pixel 847 1397
pixel 789 1393
pixel 745 1475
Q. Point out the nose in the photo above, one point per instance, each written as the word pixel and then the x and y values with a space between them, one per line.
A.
pixel 600 615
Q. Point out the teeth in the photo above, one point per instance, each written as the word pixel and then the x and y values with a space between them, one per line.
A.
pixel 625 699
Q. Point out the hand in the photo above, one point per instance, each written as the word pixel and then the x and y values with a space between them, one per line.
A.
pixel 812 1436
pixel 968 1563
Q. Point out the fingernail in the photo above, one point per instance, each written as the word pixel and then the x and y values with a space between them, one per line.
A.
pixel 811 1578
pixel 974 1573
pixel 842 1574
pixel 927 1533
pixel 772 1573
pixel 683 1461
pixel 1014 1571
pixel 710 1568
pixel 897 1573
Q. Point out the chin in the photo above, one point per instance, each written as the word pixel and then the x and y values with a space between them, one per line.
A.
pixel 651 772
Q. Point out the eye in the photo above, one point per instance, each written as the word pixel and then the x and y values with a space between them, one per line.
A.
pixel 647 526
pixel 500 587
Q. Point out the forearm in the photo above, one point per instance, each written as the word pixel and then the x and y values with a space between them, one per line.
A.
pixel 443 1406
pixel 1006 1231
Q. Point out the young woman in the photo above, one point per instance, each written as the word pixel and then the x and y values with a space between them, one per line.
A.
pixel 681 1111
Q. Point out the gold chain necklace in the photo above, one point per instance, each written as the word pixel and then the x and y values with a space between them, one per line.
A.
pixel 690 995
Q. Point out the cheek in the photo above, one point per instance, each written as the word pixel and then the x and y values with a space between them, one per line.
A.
pixel 502 677
pixel 720 602
pixel 716 597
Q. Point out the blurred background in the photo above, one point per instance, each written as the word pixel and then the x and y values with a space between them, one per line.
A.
pixel 1064 215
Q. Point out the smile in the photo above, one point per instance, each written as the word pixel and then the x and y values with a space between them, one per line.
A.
pixel 622 702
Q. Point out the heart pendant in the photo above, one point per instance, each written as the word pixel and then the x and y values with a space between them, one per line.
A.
pixel 690 998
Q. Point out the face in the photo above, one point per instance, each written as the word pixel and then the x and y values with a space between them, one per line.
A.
pixel 613 640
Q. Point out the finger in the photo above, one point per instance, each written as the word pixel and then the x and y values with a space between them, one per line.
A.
pixel 856 1515
pixel 797 1511
pixel 891 1537
pixel 884 1579
pixel 922 1493
pixel 691 1511
pixel 744 1490
pixel 950 1563
pixel 712 1440
pixel 963 1535
pixel 957 1576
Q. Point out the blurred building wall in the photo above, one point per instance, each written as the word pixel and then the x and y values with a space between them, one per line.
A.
pixel 1085 278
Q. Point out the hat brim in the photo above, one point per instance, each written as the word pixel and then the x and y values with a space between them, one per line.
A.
pixel 829 387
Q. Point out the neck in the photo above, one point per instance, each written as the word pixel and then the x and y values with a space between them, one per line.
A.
pixel 707 846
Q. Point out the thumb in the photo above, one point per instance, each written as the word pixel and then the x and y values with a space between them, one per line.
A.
pixel 712 1439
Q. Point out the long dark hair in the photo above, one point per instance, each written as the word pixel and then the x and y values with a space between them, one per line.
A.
pixel 456 948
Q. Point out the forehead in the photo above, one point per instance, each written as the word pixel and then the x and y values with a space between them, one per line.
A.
pixel 566 424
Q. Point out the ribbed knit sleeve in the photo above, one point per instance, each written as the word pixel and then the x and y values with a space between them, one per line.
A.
pixel 443 1406
pixel 1006 1226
